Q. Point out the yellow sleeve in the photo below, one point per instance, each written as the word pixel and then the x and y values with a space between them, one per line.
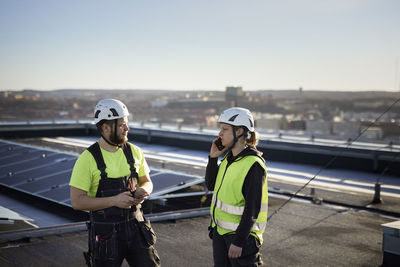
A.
pixel 82 173
pixel 143 167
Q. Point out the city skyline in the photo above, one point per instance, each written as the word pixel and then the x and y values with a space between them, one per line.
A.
pixel 330 45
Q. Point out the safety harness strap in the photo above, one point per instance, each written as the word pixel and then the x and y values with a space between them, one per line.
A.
pixel 131 161
pixel 96 152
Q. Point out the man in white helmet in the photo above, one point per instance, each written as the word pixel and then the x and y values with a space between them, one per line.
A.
pixel 111 180
pixel 240 201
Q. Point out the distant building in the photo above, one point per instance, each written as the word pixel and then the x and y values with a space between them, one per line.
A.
pixel 233 94
pixel 269 121
pixel 373 133
pixel 346 129
pixel 296 125
pixel 159 103
pixel 294 105
pixel 318 127
pixel 386 129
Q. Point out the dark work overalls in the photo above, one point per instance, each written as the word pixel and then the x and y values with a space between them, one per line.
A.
pixel 116 234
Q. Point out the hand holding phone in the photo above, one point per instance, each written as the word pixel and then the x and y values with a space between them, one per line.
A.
pixel 219 145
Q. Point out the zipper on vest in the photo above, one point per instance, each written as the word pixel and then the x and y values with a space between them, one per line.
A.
pixel 216 195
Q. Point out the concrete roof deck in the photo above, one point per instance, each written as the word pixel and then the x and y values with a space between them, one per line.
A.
pixel 301 234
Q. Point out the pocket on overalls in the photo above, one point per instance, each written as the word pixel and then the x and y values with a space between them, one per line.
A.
pixel 105 243
pixel 147 232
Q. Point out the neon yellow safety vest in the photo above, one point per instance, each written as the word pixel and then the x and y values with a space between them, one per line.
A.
pixel 228 203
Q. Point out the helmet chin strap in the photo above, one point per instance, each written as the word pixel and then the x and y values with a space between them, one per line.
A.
pixel 109 142
pixel 236 138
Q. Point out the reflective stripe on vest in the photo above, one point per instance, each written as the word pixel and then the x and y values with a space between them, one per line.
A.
pixel 233 226
pixel 234 209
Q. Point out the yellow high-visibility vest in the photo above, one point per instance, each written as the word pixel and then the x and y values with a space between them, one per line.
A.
pixel 228 203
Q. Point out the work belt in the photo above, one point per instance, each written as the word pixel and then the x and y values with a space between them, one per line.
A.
pixel 116 215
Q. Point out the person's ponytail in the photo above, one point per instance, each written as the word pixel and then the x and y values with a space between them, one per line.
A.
pixel 252 138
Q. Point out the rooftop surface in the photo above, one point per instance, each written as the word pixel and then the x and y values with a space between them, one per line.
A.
pixel 302 234
pixel 342 229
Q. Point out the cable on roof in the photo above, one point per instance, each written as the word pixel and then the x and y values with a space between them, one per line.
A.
pixel 335 157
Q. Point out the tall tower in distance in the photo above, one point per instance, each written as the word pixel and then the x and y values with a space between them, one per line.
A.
pixel 233 94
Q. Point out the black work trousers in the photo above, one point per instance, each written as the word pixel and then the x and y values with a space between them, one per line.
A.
pixel 115 242
pixel 221 243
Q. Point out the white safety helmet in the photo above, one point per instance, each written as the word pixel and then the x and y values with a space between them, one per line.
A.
pixel 238 117
pixel 109 109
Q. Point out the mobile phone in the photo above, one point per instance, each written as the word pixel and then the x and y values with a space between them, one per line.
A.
pixel 218 143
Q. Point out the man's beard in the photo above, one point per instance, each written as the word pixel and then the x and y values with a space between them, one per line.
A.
pixel 117 139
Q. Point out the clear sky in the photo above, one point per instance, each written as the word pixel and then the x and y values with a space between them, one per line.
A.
pixel 200 44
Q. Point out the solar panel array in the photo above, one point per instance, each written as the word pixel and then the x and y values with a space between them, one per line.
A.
pixel 45 173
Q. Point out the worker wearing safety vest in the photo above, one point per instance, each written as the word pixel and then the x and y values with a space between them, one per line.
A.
pixel 240 201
